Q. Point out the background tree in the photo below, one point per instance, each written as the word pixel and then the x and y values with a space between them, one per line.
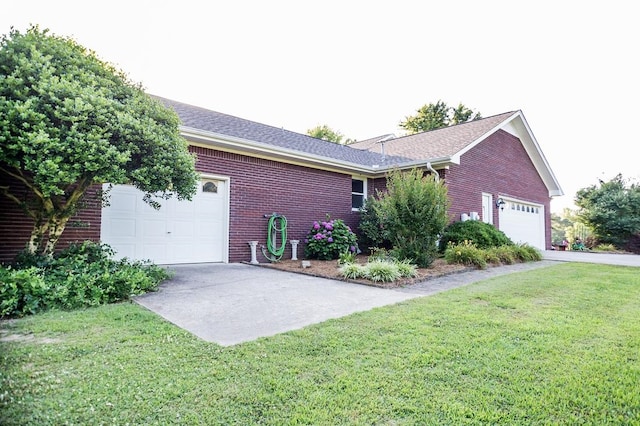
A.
pixel 566 226
pixel 326 133
pixel 69 121
pixel 611 209
pixel 438 115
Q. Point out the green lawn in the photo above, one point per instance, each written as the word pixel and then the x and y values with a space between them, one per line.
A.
pixel 557 345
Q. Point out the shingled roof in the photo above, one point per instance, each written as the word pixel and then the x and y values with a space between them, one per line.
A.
pixel 217 123
pixel 436 144
pixel 441 147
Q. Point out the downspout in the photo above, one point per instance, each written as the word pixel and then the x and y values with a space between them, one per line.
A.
pixel 435 173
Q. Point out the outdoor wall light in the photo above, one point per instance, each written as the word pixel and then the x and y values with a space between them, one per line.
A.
pixel 500 203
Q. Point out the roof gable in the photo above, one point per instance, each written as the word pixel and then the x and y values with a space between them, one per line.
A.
pixel 441 143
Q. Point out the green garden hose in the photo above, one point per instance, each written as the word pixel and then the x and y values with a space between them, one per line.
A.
pixel 277 225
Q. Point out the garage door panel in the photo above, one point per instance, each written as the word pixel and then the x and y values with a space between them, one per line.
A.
pixel 523 223
pixel 179 232
pixel 123 228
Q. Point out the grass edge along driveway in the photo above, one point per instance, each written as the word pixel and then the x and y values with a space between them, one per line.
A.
pixel 557 345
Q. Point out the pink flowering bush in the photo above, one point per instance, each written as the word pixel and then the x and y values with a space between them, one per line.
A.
pixel 328 239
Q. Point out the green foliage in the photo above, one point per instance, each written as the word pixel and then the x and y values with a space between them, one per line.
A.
pixel 468 253
pixel 329 239
pixel 347 257
pixel 465 253
pixel 371 227
pixel 505 255
pixel 567 227
pixel 413 212
pixel 352 271
pixel 82 275
pixel 527 253
pixel 380 271
pixel 605 248
pixel 22 291
pixel 68 121
pixel 325 132
pixel 438 115
pixel 407 269
pixel 483 235
pixel 611 209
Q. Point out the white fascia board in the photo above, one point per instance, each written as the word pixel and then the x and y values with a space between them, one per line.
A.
pixel 484 136
pixel 535 153
pixel 244 145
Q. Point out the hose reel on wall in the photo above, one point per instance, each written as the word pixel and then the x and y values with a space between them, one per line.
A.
pixel 277 226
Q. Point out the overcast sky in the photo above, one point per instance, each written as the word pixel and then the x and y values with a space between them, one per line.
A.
pixel 363 66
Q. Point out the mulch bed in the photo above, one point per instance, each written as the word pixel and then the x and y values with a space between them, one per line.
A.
pixel 329 269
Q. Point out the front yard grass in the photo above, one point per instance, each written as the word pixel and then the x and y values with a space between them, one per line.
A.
pixel 558 345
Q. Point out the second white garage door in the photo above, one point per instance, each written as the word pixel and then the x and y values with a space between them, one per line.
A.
pixel 179 232
pixel 523 223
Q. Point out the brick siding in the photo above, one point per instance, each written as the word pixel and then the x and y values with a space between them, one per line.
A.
pixel 260 187
pixel 16 226
pixel 499 166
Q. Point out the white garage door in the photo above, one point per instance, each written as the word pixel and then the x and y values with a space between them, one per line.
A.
pixel 179 232
pixel 523 223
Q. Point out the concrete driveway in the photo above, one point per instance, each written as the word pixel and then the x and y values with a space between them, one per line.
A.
pixel 234 303
pixel 588 257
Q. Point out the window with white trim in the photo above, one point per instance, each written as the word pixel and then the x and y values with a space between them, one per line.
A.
pixel 358 193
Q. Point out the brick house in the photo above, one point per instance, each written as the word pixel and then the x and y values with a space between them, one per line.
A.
pixel 493 167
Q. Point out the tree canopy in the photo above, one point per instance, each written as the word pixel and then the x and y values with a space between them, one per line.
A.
pixel 611 209
pixel 69 120
pixel 435 116
pixel 326 133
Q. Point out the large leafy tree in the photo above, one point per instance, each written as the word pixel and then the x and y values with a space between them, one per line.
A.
pixel 435 116
pixel 611 209
pixel 68 121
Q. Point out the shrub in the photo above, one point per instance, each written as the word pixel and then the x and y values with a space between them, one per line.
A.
pixel 378 253
pixel 352 271
pixel 329 239
pixel 82 275
pixel 526 253
pixel 483 235
pixel 503 254
pixel 413 213
pixel 407 269
pixel 465 253
pixel 371 226
pixel 605 247
pixel 347 257
pixel 22 291
pixel 380 271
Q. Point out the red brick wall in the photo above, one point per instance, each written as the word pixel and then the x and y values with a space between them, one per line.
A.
pixel 16 226
pixel 260 187
pixel 499 166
